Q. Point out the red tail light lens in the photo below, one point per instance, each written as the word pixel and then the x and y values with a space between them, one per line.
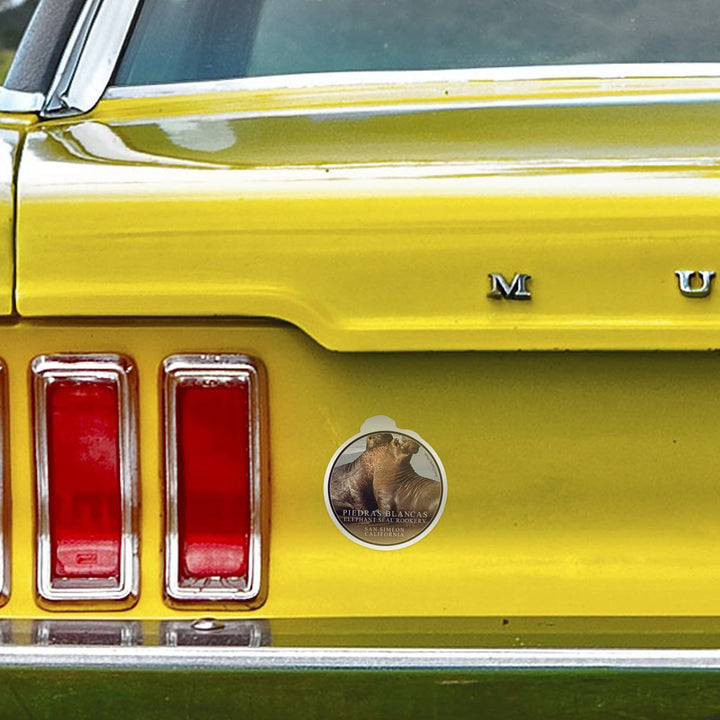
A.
pixel 213 476
pixel 86 477
pixel 213 461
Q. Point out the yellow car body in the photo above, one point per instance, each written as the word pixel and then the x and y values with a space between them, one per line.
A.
pixel 561 466
pixel 344 234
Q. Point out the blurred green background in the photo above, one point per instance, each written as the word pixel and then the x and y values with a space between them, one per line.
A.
pixel 14 17
pixel 5 58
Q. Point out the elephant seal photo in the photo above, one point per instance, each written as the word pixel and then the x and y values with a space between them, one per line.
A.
pixel 351 485
pixel 385 488
pixel 398 489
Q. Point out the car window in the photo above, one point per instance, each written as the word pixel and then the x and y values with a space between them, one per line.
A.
pixel 181 40
pixel 14 18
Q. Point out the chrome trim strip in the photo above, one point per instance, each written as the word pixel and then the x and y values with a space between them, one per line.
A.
pixel 418 77
pixel 120 371
pixel 279 658
pixel 90 57
pixel 15 101
pixel 224 369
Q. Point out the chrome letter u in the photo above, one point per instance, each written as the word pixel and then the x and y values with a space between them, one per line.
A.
pixel 685 282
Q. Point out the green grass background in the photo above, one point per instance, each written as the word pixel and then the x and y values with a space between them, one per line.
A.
pixel 14 17
pixel 6 57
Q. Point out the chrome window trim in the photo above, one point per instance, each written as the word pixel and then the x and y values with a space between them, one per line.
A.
pixel 120 371
pixel 16 101
pixel 65 72
pixel 418 77
pixel 218 368
pixel 90 57
pixel 286 658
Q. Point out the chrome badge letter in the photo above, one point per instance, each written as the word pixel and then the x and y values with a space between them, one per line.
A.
pixel 500 289
pixel 685 282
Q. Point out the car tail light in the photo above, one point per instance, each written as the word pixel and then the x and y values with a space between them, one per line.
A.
pixel 213 477
pixel 4 492
pixel 87 480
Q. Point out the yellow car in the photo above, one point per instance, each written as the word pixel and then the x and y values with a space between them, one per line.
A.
pixel 360 358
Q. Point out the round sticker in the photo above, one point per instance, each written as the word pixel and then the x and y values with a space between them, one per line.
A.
pixel 385 488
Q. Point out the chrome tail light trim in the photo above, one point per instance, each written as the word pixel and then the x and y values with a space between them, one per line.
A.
pixel 224 368
pixel 4 490
pixel 120 371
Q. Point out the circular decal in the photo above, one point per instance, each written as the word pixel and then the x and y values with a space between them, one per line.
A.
pixel 385 488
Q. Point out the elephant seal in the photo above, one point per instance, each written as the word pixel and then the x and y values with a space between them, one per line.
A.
pixel 398 488
pixel 351 485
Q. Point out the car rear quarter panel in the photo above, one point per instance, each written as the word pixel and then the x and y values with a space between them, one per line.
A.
pixel 578 483
pixel 372 226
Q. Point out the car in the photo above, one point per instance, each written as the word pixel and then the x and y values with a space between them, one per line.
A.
pixel 360 359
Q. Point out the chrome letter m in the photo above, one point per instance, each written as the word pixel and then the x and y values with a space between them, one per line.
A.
pixel 500 289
